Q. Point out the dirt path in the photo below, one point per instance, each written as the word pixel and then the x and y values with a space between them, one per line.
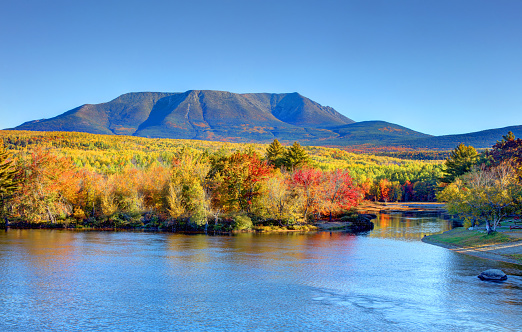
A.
pixel 497 252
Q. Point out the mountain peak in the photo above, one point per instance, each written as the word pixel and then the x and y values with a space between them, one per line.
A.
pixel 200 114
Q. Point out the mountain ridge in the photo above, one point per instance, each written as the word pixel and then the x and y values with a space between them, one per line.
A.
pixel 199 114
pixel 246 117
pixel 479 139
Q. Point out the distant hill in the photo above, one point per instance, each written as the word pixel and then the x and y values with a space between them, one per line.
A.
pixel 250 117
pixel 479 139
pixel 374 133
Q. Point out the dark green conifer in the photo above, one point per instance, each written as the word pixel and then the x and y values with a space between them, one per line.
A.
pixel 295 156
pixel 275 153
pixel 509 137
pixel 460 161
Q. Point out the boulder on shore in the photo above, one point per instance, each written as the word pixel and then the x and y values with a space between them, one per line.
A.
pixel 363 223
pixel 493 275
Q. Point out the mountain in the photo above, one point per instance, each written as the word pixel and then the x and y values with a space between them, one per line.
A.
pixel 249 117
pixel 374 133
pixel 479 139
pixel 211 115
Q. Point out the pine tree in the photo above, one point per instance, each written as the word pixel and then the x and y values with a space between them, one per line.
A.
pixel 275 153
pixel 460 161
pixel 295 156
pixel 509 137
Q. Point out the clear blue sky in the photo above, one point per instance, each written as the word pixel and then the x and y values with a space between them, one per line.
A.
pixel 436 66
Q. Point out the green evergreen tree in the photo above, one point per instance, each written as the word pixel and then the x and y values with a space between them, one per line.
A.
pixel 295 156
pixel 275 153
pixel 509 137
pixel 8 181
pixel 461 161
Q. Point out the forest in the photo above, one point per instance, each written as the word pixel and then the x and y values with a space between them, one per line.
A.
pixel 88 180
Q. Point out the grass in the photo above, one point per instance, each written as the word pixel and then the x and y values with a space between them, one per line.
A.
pixel 462 237
pixel 516 257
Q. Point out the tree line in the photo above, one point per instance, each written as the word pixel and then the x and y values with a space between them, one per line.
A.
pixel 217 191
pixel 486 187
pixel 382 178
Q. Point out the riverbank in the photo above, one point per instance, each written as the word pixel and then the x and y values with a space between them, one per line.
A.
pixel 351 221
pixel 501 246
pixel 379 207
pixel 186 230
pixel 320 226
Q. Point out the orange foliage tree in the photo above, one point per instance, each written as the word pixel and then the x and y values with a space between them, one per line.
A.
pixel 237 180
pixel 49 188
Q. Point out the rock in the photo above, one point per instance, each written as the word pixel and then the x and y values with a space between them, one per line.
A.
pixel 363 223
pixel 368 216
pixel 493 275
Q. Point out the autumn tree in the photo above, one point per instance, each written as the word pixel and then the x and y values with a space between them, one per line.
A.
pixel 407 191
pixel 279 201
pixel 306 182
pixel 384 190
pixel 460 161
pixel 8 178
pixel 338 192
pixel 395 191
pixel 237 180
pixel 48 188
pixel 488 195
pixel 508 149
pixel 151 183
pixel 186 191
pixel 91 187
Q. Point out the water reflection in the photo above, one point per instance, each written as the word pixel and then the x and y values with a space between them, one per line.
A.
pixel 410 225
pixel 384 280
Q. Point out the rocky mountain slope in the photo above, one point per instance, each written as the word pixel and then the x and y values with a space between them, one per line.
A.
pixel 249 117
pixel 212 115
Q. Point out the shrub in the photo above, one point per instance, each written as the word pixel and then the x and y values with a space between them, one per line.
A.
pixel 242 222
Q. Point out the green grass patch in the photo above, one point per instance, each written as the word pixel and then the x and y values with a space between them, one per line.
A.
pixel 465 238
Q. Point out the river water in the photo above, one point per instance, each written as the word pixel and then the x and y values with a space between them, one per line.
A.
pixel 385 280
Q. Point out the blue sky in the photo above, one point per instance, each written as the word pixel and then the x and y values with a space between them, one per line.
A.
pixel 439 67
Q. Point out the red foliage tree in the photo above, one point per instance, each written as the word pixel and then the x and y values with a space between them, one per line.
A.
pixel 509 149
pixel 407 189
pixel 338 191
pixel 237 180
pixel 307 182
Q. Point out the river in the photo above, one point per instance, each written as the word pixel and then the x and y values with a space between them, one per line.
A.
pixel 384 280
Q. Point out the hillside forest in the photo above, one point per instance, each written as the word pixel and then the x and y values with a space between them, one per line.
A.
pixel 88 180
